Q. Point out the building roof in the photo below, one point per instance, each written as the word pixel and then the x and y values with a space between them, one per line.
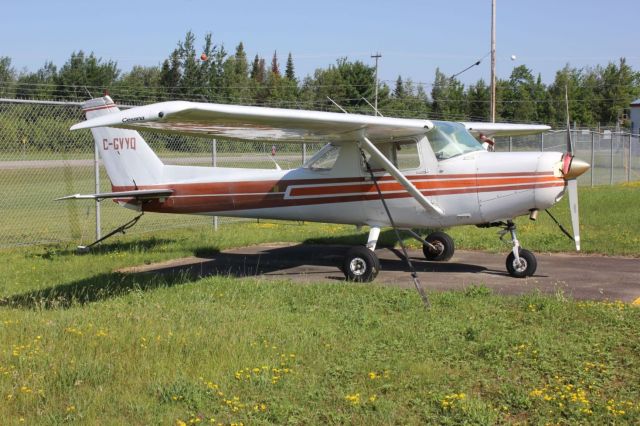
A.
pixel 636 102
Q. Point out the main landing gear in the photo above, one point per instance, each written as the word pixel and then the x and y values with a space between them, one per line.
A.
pixel 362 265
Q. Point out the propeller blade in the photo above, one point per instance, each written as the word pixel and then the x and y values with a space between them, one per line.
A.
pixel 572 185
pixel 566 101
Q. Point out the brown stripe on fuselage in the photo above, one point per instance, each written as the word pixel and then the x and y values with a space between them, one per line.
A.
pixel 204 204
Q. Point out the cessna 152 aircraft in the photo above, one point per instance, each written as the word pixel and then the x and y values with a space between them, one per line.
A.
pixel 428 174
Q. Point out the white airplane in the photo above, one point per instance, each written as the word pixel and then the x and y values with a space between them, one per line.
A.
pixel 375 171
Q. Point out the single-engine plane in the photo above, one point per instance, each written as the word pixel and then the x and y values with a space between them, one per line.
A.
pixel 373 171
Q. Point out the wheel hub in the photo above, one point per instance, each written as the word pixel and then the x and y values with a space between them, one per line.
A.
pixel 438 246
pixel 520 265
pixel 358 266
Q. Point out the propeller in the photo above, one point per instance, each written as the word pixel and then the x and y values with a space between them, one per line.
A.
pixel 571 169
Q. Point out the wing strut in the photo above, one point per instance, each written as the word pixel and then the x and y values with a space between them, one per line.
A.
pixel 414 274
pixel 368 146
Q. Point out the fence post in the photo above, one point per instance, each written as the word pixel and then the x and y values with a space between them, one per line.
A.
pixel 593 156
pixel 214 163
pixel 510 143
pixel 304 152
pixel 629 161
pixel 96 170
pixel 541 142
pixel 611 161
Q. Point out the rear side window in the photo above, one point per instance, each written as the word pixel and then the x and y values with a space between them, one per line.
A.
pixel 403 154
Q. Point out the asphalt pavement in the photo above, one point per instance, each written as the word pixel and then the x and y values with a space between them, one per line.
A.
pixel 584 277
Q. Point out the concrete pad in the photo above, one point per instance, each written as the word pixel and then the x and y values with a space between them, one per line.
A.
pixel 577 276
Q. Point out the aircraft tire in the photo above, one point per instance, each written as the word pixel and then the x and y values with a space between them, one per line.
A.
pixel 443 242
pixel 526 269
pixel 361 265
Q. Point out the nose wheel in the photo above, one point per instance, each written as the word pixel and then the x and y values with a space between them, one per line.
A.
pixel 524 266
pixel 521 263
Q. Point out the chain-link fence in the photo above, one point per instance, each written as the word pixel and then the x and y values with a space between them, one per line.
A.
pixel 614 156
pixel 40 160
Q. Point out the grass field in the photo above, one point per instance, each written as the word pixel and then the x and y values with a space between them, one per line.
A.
pixel 84 344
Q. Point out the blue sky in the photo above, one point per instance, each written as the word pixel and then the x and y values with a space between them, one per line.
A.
pixel 414 37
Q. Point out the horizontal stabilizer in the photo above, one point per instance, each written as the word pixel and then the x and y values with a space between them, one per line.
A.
pixel 144 194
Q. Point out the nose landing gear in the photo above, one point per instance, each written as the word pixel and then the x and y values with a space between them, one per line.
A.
pixel 520 263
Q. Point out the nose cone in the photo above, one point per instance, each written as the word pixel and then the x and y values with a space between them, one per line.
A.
pixel 577 168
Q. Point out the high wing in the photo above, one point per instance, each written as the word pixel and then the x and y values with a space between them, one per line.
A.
pixel 503 129
pixel 249 123
pixel 141 194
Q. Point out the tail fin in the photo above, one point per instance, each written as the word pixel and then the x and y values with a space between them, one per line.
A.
pixel 128 159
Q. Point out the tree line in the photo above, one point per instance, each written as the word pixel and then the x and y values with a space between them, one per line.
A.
pixel 599 95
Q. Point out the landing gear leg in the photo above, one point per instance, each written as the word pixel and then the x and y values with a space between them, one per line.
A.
pixel 520 263
pixel 361 263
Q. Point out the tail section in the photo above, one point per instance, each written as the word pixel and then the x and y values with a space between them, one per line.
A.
pixel 128 159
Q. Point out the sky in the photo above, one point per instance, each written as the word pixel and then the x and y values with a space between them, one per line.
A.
pixel 413 37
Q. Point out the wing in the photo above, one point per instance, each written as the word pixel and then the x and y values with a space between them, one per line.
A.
pixel 141 194
pixel 504 129
pixel 258 123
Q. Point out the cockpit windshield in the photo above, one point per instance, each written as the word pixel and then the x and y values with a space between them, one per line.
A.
pixel 451 139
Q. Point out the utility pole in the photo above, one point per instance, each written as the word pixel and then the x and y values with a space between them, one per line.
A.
pixel 493 61
pixel 375 102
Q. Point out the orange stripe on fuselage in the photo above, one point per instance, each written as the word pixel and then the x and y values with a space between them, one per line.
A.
pixel 394 186
pixel 230 196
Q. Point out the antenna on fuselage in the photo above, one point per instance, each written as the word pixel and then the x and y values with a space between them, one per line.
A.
pixel 336 104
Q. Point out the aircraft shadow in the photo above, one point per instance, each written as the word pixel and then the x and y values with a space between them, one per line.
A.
pixel 314 261
pixel 92 289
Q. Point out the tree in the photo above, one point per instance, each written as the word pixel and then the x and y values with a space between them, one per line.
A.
pixel 170 74
pixel 7 76
pixel 82 75
pixel 448 97
pixel 618 86
pixel 516 101
pixel 289 72
pixel 37 85
pixel 275 66
pixel 140 84
pixel 479 99
pixel 399 92
pixel 235 82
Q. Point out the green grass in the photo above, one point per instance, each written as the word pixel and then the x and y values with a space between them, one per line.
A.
pixel 85 344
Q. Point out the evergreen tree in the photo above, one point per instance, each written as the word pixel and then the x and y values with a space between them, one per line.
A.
pixel 289 72
pixel 255 68
pixel 236 83
pixel 399 92
pixel 448 97
pixel 275 66
pixel 479 100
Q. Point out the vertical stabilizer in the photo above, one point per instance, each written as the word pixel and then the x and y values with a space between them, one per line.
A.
pixel 128 159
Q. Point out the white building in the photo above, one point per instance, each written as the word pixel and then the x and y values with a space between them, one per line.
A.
pixel 635 116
